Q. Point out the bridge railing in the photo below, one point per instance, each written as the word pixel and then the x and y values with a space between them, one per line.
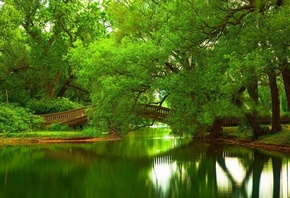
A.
pixel 155 112
pixel 65 115
pixel 149 111
pixel 160 113
pixel 231 121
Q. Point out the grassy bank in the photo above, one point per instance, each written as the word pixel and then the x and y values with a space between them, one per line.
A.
pixel 275 142
pixel 50 136
pixel 281 138
pixel 232 135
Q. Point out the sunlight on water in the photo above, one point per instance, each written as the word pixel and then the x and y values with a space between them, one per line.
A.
pixel 223 183
pixel 161 175
pixel 236 169
pixel 231 175
pixel 234 173
pixel 166 137
pixel 266 180
pixel 285 176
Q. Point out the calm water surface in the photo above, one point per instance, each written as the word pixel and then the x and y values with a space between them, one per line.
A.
pixel 147 163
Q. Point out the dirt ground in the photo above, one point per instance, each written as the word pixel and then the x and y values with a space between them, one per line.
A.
pixel 285 148
pixel 44 140
pixel 115 137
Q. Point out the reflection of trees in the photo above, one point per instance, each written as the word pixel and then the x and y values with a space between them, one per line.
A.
pixel 195 174
pixel 277 168
pixel 103 171
pixel 259 161
pixel 237 189
pixel 24 172
pixel 203 178
pixel 254 168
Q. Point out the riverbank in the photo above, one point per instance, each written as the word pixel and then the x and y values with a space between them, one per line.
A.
pixel 279 142
pixel 55 137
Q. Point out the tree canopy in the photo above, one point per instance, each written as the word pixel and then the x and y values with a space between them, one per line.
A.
pixel 206 60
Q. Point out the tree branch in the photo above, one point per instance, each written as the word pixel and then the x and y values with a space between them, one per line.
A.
pixel 79 88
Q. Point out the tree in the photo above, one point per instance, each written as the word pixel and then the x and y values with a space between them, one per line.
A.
pixel 49 29
pixel 209 61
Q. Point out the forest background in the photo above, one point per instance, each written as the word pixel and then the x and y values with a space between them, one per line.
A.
pixel 205 60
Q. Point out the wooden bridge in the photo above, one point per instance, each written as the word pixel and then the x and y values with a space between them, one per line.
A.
pixel 160 114
pixel 73 118
pixel 77 117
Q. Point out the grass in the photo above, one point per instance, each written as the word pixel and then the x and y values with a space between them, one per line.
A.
pixel 235 132
pixel 281 138
pixel 65 135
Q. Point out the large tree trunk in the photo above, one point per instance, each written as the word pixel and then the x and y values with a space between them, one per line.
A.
pixel 216 128
pixel 52 87
pixel 286 80
pixel 276 123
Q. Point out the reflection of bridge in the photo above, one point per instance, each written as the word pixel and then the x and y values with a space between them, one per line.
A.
pixel 77 117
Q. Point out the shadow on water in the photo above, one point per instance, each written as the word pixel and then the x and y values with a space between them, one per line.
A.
pixel 148 163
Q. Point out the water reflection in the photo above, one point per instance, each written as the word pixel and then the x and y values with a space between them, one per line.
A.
pixel 224 172
pixel 142 165
pixel 261 179
pixel 162 171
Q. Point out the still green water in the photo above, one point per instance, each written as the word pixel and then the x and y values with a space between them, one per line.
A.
pixel 147 163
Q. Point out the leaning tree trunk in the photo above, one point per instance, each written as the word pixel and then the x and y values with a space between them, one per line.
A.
pixel 253 92
pixel 257 130
pixel 276 122
pixel 286 80
pixel 64 87
pixel 216 128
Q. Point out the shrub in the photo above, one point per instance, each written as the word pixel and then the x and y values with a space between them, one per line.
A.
pixel 17 119
pixel 45 106
pixel 91 131
pixel 58 127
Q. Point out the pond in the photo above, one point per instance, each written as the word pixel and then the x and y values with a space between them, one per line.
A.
pixel 146 163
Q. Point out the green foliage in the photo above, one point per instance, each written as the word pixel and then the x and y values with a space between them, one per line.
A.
pixel 11 86
pixel 123 52
pixel 58 127
pixel 118 84
pixel 45 106
pixel 35 38
pixel 13 49
pixel 93 132
pixel 17 119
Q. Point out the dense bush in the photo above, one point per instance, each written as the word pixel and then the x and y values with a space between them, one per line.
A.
pixel 58 127
pixel 51 106
pixel 17 119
